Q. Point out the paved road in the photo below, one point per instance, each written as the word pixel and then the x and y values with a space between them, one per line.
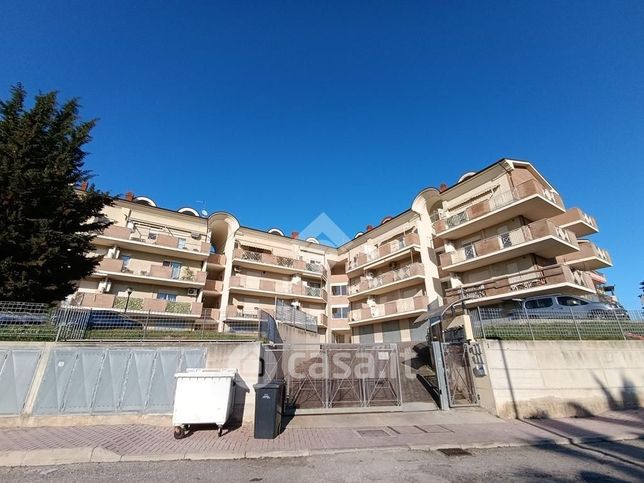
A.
pixel 616 461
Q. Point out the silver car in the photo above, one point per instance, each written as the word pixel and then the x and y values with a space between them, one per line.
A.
pixel 567 306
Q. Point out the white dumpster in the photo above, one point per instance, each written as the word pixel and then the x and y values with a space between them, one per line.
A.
pixel 202 396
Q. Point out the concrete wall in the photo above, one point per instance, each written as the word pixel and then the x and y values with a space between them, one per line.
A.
pixel 561 378
pixel 54 394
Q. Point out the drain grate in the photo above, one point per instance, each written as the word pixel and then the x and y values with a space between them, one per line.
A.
pixel 455 452
pixel 373 433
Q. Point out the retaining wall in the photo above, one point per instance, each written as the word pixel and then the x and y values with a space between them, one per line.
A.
pixel 561 378
pixel 51 383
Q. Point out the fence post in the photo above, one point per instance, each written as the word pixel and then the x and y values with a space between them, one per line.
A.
pixel 619 324
pixel 147 321
pixel 203 322
pixel 527 317
pixel 478 311
pixel 575 322
pixel 60 324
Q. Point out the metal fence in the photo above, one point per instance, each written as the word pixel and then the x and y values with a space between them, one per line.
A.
pixel 335 375
pixel 43 322
pixel 494 323
pixel 292 316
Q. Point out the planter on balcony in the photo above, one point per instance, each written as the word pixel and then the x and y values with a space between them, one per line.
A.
pixel 134 304
pixel 178 307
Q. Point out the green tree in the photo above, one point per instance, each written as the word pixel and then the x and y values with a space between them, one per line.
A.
pixel 46 224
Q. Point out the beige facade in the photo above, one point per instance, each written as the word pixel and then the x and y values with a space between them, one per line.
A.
pixel 498 234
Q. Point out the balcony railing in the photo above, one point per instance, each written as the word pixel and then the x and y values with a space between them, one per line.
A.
pixel 390 308
pixel 445 221
pixel 377 252
pixel 214 286
pixel 138 304
pixel 368 283
pixel 578 221
pixel 217 259
pixel 590 255
pixel 533 231
pixel 144 235
pixel 279 261
pixel 533 279
pixel 185 274
pixel 276 286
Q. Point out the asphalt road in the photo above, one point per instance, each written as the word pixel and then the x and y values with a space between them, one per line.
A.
pixel 617 461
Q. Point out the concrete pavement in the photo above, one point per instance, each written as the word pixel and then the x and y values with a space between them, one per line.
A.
pixel 310 435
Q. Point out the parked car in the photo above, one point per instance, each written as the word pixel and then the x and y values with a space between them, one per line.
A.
pixel 566 306
pixel 23 318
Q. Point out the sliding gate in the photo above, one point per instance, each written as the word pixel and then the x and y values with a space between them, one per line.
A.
pixel 323 376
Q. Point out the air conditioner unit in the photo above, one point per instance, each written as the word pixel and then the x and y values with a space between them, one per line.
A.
pixel 193 291
pixel 369 275
pixel 104 286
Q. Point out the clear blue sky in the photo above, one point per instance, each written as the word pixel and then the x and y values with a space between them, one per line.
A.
pixel 277 111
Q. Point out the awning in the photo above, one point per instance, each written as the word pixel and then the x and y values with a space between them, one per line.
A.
pixel 433 315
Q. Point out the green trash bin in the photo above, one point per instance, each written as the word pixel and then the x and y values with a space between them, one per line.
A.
pixel 269 404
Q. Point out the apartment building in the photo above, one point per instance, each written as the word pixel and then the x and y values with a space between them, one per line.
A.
pixel 497 235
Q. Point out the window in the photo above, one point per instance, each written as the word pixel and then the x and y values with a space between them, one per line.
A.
pixel 176 268
pixel 543 303
pixel 152 235
pixel 469 251
pixel 339 312
pixel 181 243
pixel 570 301
pixel 338 290
pixel 170 297
pixel 126 260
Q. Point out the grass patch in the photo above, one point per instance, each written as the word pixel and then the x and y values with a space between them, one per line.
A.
pixel 38 333
pixel 561 330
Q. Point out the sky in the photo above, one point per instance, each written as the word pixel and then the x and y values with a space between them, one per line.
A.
pixel 278 111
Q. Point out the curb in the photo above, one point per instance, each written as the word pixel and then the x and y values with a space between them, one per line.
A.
pixel 65 456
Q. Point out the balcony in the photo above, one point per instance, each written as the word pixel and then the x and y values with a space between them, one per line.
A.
pixel 151 242
pixel 543 238
pixel 376 256
pixel 552 279
pixel 589 257
pixel 139 304
pixel 246 284
pixel 154 274
pixel 277 264
pixel 529 199
pixel 213 287
pixel 580 223
pixel 216 261
pixel 235 313
pixel 388 281
pixel 390 310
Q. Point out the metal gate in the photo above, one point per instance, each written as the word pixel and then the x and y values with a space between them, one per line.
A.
pixel 335 375
pixel 458 374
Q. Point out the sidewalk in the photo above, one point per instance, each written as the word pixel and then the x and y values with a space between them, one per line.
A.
pixel 309 435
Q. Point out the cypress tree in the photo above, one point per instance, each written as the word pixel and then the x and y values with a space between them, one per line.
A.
pixel 46 223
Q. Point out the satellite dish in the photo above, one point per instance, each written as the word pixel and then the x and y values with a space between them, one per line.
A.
pixel 204 213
